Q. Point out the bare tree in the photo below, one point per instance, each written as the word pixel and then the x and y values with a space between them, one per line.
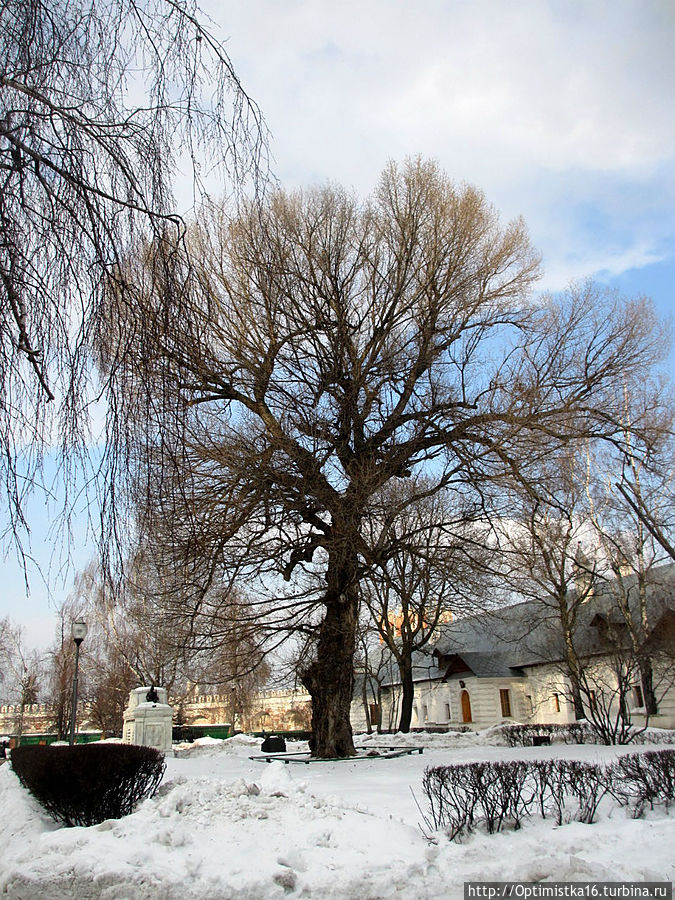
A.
pixel 605 685
pixel 646 484
pixel 373 669
pixel 590 567
pixel 324 347
pixel 542 543
pixel 429 561
pixel 631 549
pixel 60 668
pixel 98 100
pixel 20 671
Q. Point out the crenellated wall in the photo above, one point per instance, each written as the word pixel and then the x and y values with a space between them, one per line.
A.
pixel 282 710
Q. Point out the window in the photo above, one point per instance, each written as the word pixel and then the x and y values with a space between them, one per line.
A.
pixel 448 716
pixel 530 704
pixel 374 712
pixel 556 703
pixel 425 712
pixel 505 699
pixel 638 699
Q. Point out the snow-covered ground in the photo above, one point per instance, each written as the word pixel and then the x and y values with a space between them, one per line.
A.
pixel 225 826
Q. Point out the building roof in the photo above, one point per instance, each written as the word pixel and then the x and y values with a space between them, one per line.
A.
pixel 482 665
pixel 529 633
pixel 502 643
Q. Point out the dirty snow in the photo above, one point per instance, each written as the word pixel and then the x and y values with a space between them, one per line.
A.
pixel 225 826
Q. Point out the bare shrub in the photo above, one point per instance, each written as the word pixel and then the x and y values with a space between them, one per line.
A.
pixel 644 778
pixel 84 785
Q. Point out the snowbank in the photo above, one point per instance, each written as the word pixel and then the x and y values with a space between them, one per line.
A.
pixel 225 826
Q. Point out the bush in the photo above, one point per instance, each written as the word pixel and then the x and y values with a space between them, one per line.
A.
pixel 644 778
pixel 587 783
pixel 496 795
pixel 86 784
pixel 550 787
pixel 569 733
pixel 655 736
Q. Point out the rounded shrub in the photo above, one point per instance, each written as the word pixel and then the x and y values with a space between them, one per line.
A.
pixel 86 784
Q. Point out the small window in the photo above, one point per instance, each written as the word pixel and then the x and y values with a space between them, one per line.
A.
pixel 556 703
pixel 425 712
pixel 447 712
pixel 638 699
pixel 505 699
pixel 530 705
pixel 374 711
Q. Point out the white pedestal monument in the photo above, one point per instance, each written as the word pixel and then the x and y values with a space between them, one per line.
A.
pixel 147 722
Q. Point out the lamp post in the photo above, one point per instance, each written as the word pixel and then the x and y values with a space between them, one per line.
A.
pixel 234 706
pixel 79 632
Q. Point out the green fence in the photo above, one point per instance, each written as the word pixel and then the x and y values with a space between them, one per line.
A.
pixel 189 733
pixel 85 737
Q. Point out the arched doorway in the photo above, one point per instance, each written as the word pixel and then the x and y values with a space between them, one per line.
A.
pixel 466 707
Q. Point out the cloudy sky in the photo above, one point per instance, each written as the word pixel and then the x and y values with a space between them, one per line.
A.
pixel 560 110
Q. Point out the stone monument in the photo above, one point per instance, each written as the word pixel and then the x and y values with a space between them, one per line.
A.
pixel 148 718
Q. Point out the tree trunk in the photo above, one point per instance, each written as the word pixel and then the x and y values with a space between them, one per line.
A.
pixel 330 679
pixel 408 694
pixel 364 701
pixel 573 670
pixel 577 700
pixel 647 682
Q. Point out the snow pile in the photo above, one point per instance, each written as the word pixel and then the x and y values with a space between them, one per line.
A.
pixel 450 739
pixel 208 746
pixel 225 826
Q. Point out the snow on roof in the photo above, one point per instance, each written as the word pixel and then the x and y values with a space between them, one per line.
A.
pixel 528 633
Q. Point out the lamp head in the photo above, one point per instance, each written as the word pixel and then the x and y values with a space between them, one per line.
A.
pixel 79 631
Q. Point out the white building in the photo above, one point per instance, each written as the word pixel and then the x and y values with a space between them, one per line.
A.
pixel 509 666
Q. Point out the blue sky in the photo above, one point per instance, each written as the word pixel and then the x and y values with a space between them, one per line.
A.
pixel 561 111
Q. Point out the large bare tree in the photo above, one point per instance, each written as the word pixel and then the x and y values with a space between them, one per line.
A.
pixel 322 347
pixel 99 102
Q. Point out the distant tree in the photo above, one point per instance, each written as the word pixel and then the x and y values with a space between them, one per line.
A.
pixel 320 349
pixel 373 668
pixel 430 563
pixel 135 638
pixel 20 671
pixel 606 686
pixel 574 546
pixel 542 542
pixel 629 490
pixel 168 641
pixel 98 101
pixel 60 666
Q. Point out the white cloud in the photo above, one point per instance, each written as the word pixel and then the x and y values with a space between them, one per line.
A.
pixel 552 108
pixel 598 262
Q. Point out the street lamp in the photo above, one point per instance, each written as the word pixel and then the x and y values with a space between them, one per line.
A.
pixel 79 633
pixel 234 706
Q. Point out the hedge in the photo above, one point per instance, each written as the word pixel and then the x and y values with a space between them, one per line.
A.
pixel 86 784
